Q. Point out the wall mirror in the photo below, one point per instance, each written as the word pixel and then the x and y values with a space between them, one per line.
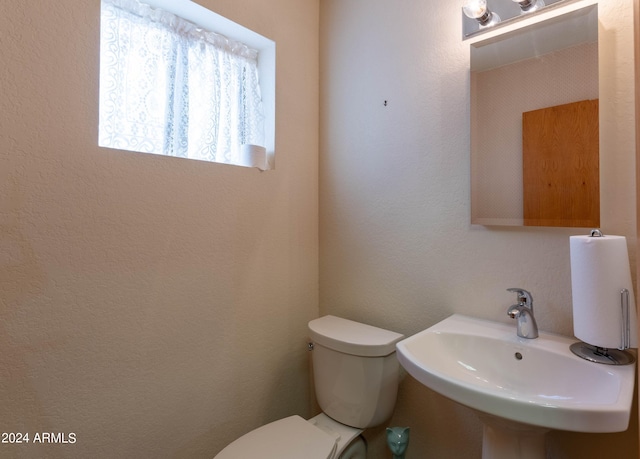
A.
pixel 534 121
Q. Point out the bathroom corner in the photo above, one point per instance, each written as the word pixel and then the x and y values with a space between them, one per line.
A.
pixel 397 246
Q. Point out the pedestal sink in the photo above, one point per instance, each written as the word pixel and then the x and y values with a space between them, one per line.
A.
pixel 520 388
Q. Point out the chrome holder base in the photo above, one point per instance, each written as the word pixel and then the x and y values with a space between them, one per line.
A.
pixel 602 354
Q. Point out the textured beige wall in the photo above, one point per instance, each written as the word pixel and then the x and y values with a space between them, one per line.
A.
pixel 397 248
pixel 153 306
pixel 636 16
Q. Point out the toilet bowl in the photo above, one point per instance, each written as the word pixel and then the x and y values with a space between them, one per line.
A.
pixel 356 377
pixel 349 442
pixel 295 438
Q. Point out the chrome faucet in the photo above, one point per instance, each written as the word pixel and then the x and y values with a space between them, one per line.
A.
pixel 523 313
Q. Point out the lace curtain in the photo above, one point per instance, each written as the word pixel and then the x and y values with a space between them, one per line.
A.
pixel 171 88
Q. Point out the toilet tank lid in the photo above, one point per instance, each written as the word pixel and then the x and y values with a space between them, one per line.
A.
pixel 354 338
pixel 288 438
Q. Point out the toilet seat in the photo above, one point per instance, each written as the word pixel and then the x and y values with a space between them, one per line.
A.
pixel 288 438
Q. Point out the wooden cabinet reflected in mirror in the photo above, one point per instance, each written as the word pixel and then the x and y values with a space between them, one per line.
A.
pixel 560 165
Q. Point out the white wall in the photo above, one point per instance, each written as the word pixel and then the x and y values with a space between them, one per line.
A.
pixel 397 248
pixel 153 306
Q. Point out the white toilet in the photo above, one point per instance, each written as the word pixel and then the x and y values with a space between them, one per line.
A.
pixel 356 377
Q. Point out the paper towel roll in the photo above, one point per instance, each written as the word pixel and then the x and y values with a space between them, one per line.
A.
pixel 599 271
pixel 253 156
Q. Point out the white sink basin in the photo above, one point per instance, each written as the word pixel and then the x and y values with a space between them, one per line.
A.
pixel 539 382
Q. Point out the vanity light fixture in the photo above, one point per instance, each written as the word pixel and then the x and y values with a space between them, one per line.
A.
pixel 529 6
pixel 478 10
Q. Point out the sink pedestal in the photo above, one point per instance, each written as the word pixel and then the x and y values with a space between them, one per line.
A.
pixel 504 439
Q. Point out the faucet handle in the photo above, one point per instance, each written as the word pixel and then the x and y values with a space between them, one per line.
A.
pixel 524 298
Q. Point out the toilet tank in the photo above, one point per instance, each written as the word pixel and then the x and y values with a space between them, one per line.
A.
pixel 355 370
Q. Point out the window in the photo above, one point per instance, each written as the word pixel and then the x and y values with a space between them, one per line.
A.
pixel 171 87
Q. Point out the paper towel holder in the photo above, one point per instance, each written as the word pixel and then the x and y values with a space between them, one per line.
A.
pixel 602 354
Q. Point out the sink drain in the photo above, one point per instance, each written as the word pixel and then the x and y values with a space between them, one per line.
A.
pixel 518 356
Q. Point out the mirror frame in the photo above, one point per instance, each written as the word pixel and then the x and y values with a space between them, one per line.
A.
pixel 536 35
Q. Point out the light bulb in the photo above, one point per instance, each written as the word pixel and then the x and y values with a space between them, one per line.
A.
pixel 529 6
pixel 478 10
pixel 475 9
